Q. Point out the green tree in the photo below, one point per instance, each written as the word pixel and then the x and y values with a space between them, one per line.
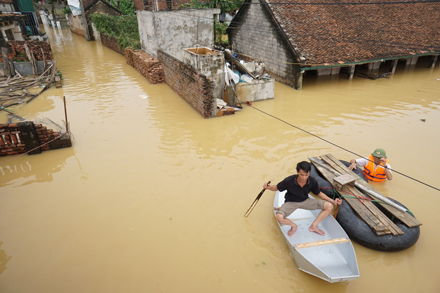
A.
pixel 224 5
pixel 125 6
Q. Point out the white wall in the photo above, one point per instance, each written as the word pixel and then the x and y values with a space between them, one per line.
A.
pixel 173 31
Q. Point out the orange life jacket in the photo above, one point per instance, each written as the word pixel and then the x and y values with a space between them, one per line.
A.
pixel 379 174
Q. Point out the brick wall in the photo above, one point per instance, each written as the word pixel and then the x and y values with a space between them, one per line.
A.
pixel 192 86
pixel 10 143
pixel 265 43
pixel 111 43
pixel 145 64
pixel 13 142
pixel 17 51
pixel 138 4
pixel 128 52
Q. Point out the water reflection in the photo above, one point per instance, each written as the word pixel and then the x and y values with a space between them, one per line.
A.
pixel 4 259
pixel 26 169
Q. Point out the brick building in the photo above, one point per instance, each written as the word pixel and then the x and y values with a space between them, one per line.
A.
pixel 295 37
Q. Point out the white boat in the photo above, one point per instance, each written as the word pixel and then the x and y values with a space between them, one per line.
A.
pixel 330 257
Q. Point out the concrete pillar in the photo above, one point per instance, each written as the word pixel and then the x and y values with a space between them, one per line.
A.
pixel 393 66
pixel 433 61
pixel 299 80
pixel 373 65
pixel 411 61
pixel 351 72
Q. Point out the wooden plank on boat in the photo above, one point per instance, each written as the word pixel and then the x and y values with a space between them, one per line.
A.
pixel 406 218
pixel 363 212
pixel 366 200
pixel 322 242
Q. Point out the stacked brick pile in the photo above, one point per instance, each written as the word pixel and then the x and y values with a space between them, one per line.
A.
pixel 45 135
pixel 148 66
pixel 17 51
pixel 10 143
pixel 128 52
pixel 111 43
pixel 192 86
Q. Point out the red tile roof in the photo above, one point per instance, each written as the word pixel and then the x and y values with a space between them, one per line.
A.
pixel 357 30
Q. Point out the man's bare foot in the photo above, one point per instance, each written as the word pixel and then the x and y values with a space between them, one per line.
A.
pixel 292 231
pixel 316 230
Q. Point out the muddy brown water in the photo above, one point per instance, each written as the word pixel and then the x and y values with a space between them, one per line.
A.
pixel 151 197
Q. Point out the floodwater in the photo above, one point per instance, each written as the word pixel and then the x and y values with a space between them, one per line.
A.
pixel 151 196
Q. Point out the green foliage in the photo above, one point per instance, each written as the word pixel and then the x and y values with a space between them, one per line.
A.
pixel 124 28
pixel 125 6
pixel 224 5
pixel 220 27
pixel 66 10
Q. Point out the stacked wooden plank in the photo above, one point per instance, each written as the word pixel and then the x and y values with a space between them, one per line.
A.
pixel 361 203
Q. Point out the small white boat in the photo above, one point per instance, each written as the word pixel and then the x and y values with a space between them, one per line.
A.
pixel 330 257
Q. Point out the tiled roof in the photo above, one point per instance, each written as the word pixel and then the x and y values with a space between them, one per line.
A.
pixel 10 16
pixel 326 34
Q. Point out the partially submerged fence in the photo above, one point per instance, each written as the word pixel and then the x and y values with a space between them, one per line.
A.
pixel 22 137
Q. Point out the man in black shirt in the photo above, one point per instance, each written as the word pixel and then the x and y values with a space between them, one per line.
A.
pixel 298 188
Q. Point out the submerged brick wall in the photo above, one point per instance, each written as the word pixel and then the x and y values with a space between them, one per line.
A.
pixel 192 86
pixel 17 52
pixel 111 43
pixel 18 138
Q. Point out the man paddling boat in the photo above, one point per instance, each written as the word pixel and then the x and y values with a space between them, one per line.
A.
pixel 298 187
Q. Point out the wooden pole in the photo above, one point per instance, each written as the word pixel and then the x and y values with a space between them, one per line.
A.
pixel 255 202
pixel 433 61
pixel 6 66
pixel 65 114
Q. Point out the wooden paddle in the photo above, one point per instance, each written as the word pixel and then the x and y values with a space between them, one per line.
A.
pixel 336 211
pixel 255 202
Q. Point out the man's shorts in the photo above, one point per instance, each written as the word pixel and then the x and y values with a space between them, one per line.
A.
pixel 309 204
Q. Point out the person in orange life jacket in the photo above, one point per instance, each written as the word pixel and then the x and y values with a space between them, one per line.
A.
pixel 376 166
pixel 298 188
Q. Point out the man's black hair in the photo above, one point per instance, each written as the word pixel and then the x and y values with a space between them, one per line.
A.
pixel 305 166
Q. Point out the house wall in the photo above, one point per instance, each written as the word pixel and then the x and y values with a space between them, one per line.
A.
pixel 257 36
pixel 100 7
pixel 7 7
pixel 173 31
pixel 211 65
pixel 256 90
pixel 187 82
